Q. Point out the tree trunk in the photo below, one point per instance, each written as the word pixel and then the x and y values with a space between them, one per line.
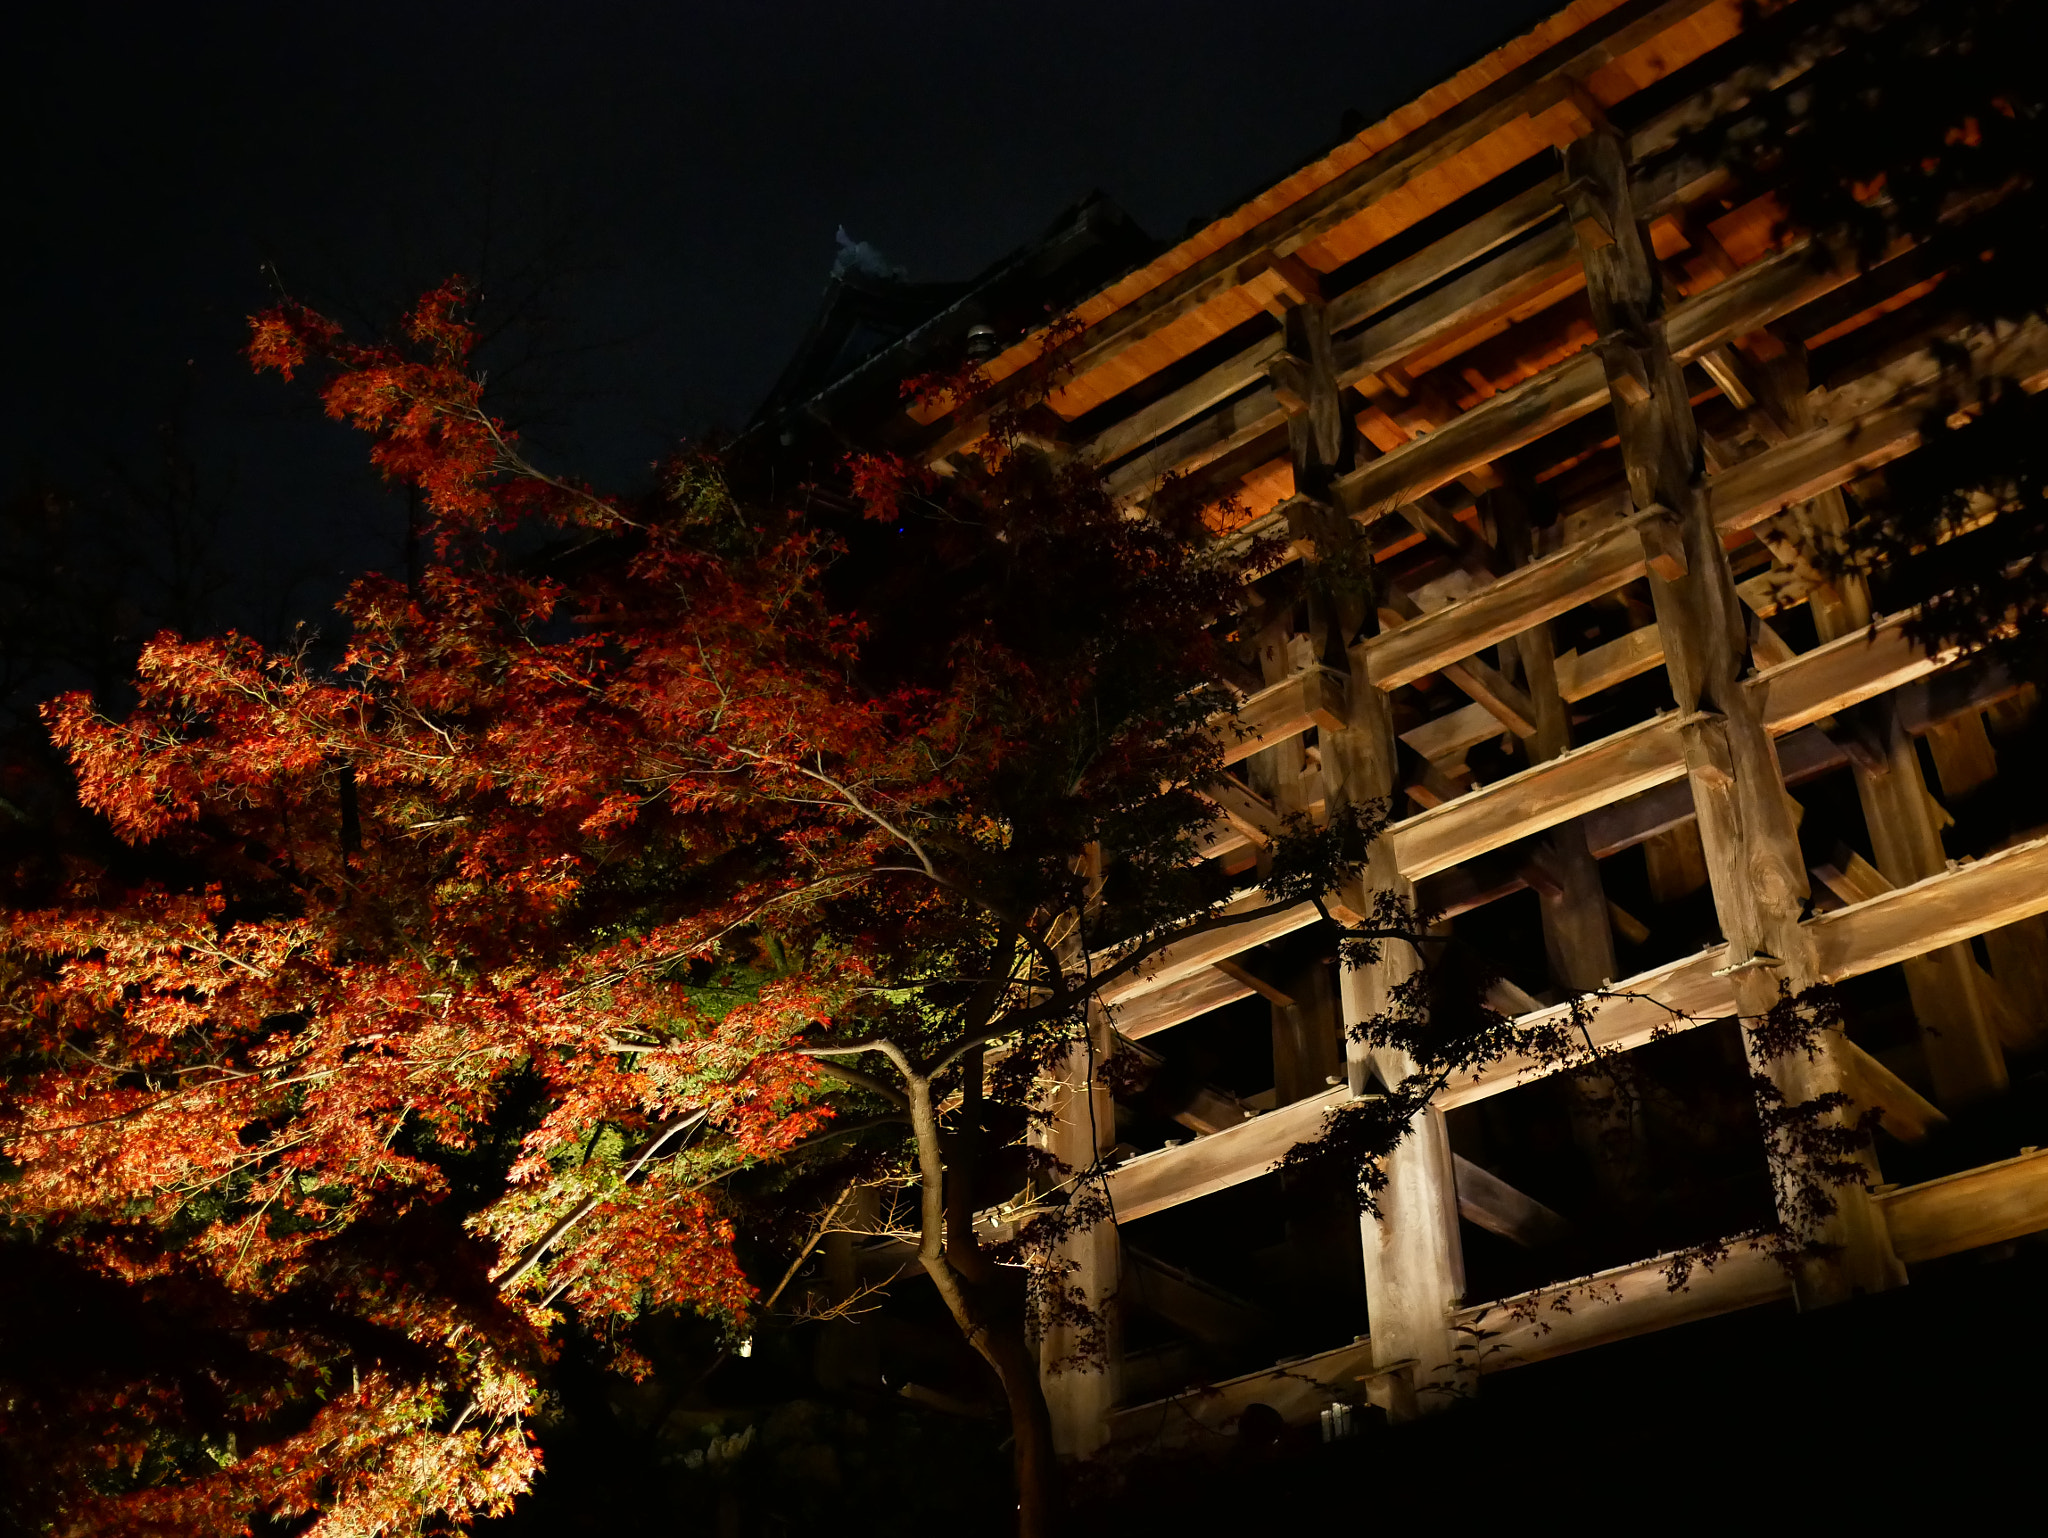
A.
pixel 1034 1460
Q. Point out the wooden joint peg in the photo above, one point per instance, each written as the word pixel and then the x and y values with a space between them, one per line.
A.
pixel 1663 538
pixel 1289 376
pixel 1628 367
pixel 1581 200
pixel 1707 756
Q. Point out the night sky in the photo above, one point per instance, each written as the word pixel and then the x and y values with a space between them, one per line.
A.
pixel 656 188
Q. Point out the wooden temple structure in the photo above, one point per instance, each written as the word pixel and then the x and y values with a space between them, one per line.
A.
pixel 1595 412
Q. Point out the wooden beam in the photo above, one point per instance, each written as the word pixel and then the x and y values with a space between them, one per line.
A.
pixel 1153 1182
pixel 1740 497
pixel 1495 286
pixel 1540 797
pixel 1489 1202
pixel 1488 615
pixel 1468 243
pixel 1299 1390
pixel 1193 995
pixel 1509 706
pixel 1528 89
pixel 1251 418
pixel 1856 667
pixel 1968 900
pixel 1207 1110
pixel 1992 1204
pixel 1617 1304
pixel 1956 905
pixel 1569 390
pixel 1988 1205
pixel 1200 953
pixel 1495 283
pixel 1191 400
pixel 1256 984
pixel 1313 697
pixel 1853 878
pixel 1902 1110
pixel 1582 675
pixel 1245 810
pixel 1813 685
pixel 1189 1303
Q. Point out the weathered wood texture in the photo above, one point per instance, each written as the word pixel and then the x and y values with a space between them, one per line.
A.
pixel 1959 1212
pixel 1740 497
pixel 1988 1205
pixel 1614 1305
pixel 1153 1182
pixel 1491 104
pixel 1970 900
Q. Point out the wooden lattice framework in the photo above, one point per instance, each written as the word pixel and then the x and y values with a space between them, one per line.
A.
pixel 1525 280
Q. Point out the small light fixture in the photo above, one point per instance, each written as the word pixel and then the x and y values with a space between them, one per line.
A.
pixel 981 343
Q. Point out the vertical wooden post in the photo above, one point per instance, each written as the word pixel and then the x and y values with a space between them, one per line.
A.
pixel 1081 1129
pixel 1958 1022
pixel 1578 937
pixel 1084 1126
pixel 1753 860
pixel 1413 1260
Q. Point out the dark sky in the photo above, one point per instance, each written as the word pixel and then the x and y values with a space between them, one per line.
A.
pixel 665 180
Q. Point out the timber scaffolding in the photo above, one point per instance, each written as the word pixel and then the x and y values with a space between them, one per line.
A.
pixel 1596 412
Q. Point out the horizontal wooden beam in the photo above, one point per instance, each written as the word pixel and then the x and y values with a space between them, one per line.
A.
pixel 1495 285
pixel 1231 424
pixel 1199 953
pixel 1530 88
pixel 1312 697
pixel 1153 1182
pixel 1299 1389
pixel 1958 904
pixel 1193 995
pixel 1744 495
pixel 1814 684
pixel 1491 1203
pixel 1410 329
pixel 1616 1304
pixel 1255 415
pixel 1540 797
pixel 1992 1204
pixel 1752 298
pixel 1988 1205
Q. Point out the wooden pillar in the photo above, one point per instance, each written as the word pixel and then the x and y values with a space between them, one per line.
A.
pixel 1083 1127
pixel 1958 1021
pixel 1414 1257
pixel 1578 936
pixel 1305 1046
pixel 1413 1261
pixel 1578 939
pixel 1745 821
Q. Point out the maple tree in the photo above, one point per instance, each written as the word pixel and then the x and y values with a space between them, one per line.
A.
pixel 428 993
